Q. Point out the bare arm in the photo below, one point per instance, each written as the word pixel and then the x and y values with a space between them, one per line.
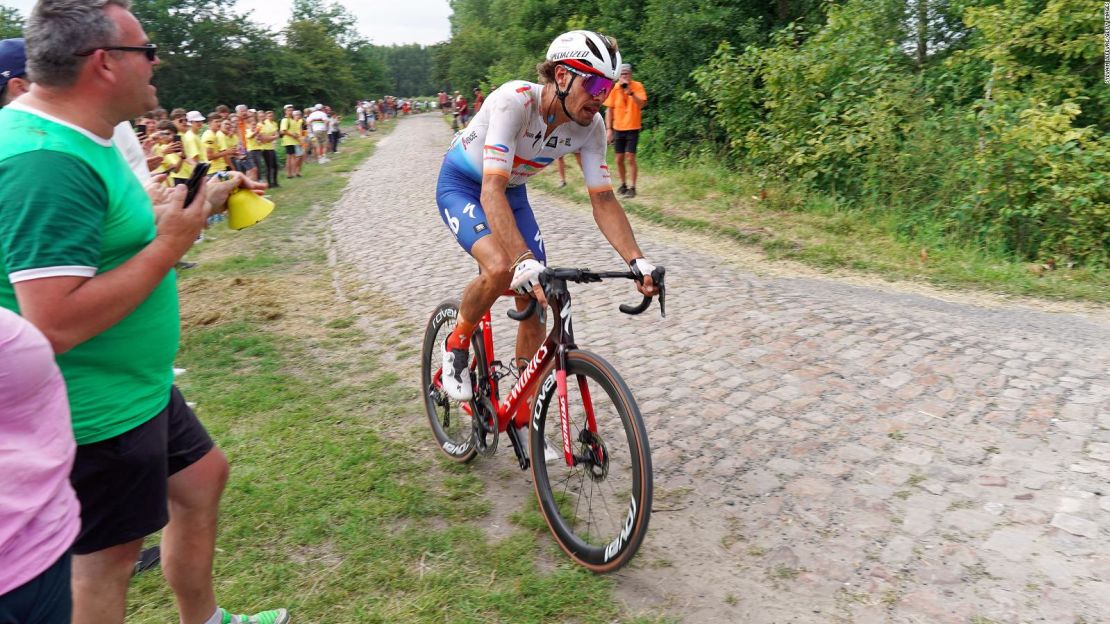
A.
pixel 500 215
pixel 70 310
pixel 614 224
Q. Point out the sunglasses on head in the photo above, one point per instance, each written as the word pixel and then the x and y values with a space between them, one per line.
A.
pixel 150 50
pixel 595 86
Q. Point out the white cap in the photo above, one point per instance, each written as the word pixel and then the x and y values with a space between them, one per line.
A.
pixel 287 106
pixel 194 116
pixel 318 107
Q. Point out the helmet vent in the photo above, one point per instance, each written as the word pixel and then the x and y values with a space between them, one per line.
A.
pixel 593 48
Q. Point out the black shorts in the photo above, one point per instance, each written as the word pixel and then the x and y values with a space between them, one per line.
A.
pixel 624 141
pixel 45 599
pixel 291 150
pixel 121 482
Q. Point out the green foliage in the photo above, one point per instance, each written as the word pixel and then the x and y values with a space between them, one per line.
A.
pixel 1042 183
pixel 11 23
pixel 992 130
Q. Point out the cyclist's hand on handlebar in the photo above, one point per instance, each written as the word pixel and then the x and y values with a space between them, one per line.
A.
pixel 642 268
pixel 526 279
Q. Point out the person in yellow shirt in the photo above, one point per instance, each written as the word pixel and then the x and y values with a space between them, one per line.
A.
pixel 291 139
pixel 267 135
pixel 240 160
pixel 191 147
pixel 215 148
pixel 166 148
pixel 623 124
pixel 250 140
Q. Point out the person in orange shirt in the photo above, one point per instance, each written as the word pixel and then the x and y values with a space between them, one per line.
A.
pixel 623 123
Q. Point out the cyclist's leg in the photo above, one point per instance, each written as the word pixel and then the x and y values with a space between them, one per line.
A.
pixel 461 210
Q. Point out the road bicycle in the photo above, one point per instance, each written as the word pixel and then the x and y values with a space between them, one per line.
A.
pixel 596 497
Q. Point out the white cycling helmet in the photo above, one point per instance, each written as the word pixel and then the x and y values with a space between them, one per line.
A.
pixel 586 51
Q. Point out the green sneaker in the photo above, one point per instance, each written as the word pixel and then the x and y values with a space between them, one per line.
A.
pixel 274 616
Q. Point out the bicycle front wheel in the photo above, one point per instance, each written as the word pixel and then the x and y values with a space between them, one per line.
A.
pixel 598 510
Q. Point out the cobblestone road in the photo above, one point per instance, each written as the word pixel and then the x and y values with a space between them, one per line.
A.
pixel 823 453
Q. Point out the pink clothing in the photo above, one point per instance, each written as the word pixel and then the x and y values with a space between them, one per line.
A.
pixel 39 513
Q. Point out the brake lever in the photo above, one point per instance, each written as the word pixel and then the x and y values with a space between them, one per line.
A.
pixel 657 276
pixel 525 313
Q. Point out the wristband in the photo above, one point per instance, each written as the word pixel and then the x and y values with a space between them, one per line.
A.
pixel 527 255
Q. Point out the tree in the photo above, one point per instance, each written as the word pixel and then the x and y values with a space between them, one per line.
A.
pixel 205 49
pixel 11 23
pixel 336 21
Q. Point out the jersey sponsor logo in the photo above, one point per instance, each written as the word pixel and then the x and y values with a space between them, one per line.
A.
pixel 495 159
pixel 468 209
pixel 553 142
pixel 481 227
pixel 452 223
pixel 468 139
pixel 566 141
pixel 539 163
pixel 498 147
pixel 523 89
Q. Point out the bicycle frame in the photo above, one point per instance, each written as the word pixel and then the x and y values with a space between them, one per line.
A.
pixel 552 351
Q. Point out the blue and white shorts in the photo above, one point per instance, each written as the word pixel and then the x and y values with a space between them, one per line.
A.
pixel 460 207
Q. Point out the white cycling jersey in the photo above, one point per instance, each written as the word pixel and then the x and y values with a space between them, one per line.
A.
pixel 507 138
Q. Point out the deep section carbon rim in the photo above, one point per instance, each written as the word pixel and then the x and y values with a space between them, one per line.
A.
pixel 598 510
pixel 450 424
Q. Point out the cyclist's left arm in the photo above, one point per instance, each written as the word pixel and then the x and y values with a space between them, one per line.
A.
pixel 608 214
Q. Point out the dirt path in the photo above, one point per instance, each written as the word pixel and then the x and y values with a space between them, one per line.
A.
pixel 825 451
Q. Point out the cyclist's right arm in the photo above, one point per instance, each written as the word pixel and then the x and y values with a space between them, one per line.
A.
pixel 502 223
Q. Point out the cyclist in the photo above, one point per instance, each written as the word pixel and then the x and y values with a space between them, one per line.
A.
pixel 521 128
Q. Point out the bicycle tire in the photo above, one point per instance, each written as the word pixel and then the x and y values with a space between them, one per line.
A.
pixel 618 537
pixel 450 425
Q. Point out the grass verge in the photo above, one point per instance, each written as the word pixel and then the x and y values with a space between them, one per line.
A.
pixel 711 199
pixel 336 508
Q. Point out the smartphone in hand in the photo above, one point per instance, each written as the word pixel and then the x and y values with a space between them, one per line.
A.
pixel 193 184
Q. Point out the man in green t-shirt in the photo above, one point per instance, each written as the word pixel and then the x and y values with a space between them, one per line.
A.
pixel 86 255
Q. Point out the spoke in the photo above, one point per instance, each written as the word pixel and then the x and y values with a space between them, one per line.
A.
pixel 566 479
pixel 578 503
pixel 605 504
pixel 590 512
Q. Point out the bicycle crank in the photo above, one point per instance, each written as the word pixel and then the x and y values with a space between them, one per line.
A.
pixel 484 424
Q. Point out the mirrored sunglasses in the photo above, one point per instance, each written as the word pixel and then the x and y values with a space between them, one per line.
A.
pixel 595 86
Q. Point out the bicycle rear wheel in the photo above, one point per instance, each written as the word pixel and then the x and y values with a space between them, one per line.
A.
pixel 598 510
pixel 450 424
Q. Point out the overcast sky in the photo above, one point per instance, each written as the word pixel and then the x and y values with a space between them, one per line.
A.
pixel 383 22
